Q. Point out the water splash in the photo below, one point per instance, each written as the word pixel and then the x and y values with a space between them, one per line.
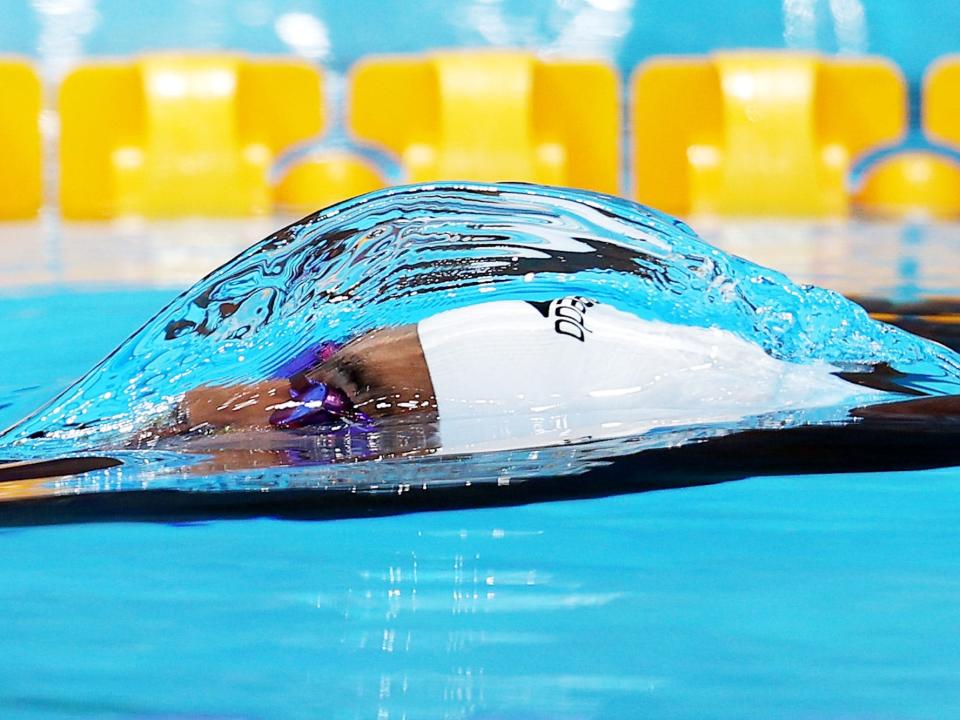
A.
pixel 403 254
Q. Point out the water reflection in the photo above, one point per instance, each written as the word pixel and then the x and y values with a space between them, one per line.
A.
pixel 457 600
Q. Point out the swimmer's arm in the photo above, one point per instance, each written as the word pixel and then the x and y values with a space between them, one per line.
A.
pixel 242 406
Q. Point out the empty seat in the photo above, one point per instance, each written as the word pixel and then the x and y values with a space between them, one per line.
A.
pixel 759 132
pixel 20 171
pixel 492 116
pixel 181 134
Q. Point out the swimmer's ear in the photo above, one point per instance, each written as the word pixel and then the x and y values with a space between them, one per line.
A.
pixel 60 467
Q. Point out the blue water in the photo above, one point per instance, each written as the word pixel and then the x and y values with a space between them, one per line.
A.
pixel 793 597
pixel 824 597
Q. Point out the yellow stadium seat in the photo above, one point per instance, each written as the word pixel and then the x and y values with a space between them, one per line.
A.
pixel 941 100
pixel 20 170
pixel 761 132
pixel 492 116
pixel 181 134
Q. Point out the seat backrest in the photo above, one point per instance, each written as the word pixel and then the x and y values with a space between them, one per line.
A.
pixel 20 146
pixel 762 132
pixel 941 100
pixel 180 134
pixel 492 116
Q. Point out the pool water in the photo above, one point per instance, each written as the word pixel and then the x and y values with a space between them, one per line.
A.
pixel 821 596
pixel 792 598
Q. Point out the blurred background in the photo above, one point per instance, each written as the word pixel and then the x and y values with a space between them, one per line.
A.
pixel 158 117
pixel 190 129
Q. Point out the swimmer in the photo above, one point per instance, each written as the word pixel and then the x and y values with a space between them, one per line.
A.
pixel 554 371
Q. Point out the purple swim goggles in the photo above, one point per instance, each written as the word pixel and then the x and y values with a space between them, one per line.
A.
pixel 311 402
